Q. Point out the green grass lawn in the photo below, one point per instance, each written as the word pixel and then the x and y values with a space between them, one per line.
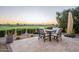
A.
pixel 17 27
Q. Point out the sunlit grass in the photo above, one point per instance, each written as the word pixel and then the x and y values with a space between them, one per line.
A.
pixel 17 27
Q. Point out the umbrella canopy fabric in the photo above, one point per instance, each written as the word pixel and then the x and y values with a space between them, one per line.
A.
pixel 70 23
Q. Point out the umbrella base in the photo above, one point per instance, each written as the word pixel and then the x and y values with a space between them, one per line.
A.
pixel 70 35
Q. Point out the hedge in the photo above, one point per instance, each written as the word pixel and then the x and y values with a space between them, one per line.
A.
pixel 50 27
pixel 33 31
pixel 23 31
pixel 10 32
pixel 2 33
pixel 20 31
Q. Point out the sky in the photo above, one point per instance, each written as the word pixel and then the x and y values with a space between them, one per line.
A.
pixel 30 14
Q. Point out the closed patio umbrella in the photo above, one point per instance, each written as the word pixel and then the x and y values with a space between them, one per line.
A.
pixel 70 23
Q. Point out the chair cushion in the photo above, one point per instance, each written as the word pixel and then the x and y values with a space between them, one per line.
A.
pixel 46 34
pixel 54 34
pixel 57 30
pixel 54 31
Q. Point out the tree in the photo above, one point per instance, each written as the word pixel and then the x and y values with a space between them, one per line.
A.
pixel 62 19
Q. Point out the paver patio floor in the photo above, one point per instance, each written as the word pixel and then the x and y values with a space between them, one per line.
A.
pixel 35 45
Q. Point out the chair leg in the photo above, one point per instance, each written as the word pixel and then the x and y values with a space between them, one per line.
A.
pixel 56 37
pixel 39 37
pixel 44 38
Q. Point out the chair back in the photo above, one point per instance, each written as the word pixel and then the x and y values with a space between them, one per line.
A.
pixel 41 32
pixel 58 30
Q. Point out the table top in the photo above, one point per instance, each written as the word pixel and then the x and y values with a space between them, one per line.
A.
pixel 49 30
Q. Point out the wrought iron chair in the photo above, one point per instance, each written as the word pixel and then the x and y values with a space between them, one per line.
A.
pixel 57 32
pixel 42 34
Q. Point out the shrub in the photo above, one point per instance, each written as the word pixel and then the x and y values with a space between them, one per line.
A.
pixel 50 27
pixel 20 31
pixel 18 38
pixel 2 33
pixel 36 31
pixel 23 31
pixel 10 32
pixel 31 35
pixel 28 30
pixel 31 31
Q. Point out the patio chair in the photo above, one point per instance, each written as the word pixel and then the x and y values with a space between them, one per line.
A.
pixel 42 34
pixel 57 32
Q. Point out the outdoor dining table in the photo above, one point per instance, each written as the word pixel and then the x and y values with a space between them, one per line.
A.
pixel 49 31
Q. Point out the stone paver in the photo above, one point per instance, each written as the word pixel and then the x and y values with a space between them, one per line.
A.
pixel 5 48
pixel 35 45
